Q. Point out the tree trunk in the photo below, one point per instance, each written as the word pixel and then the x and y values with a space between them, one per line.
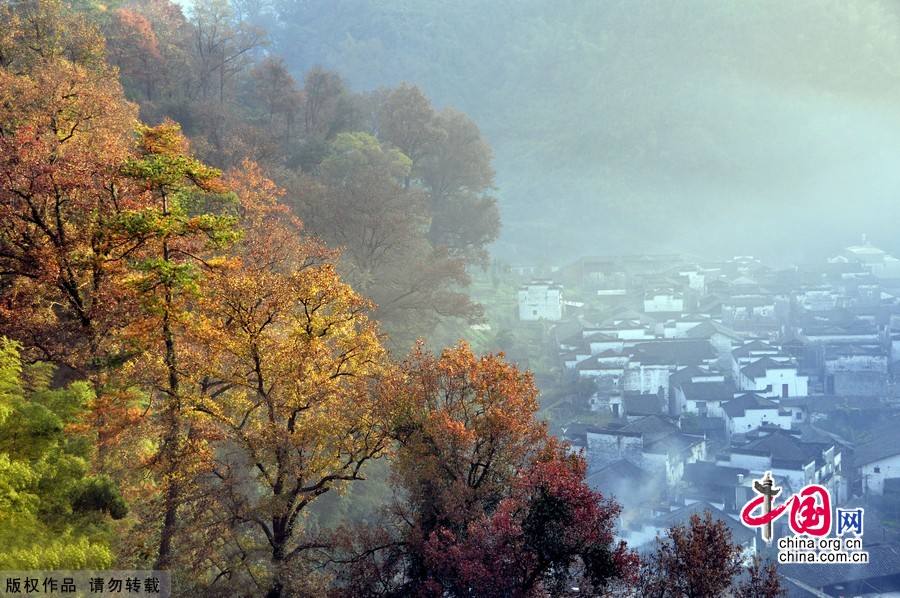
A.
pixel 172 433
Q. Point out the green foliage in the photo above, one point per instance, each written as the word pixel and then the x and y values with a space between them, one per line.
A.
pixel 50 509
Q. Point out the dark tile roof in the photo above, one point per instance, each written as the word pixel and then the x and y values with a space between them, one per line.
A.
pixel 752 346
pixel 740 405
pixel 651 426
pixel 709 328
pixel 704 473
pixel 759 367
pixel 708 391
pixel 702 425
pixel 619 477
pixel 674 352
pixel 785 448
pixel 686 373
pixel 672 444
pixel 645 404
pixel 592 363
pixel 885 442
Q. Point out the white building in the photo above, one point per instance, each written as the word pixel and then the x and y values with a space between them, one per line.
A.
pixel 878 460
pixel 664 300
pixel 771 378
pixel 877 261
pixel 749 412
pixel 540 300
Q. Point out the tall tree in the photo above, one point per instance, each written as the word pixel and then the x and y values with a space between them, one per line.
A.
pixel 290 367
pixel 65 129
pixel 405 119
pixel 222 46
pixel 322 93
pixel 186 218
pixel 273 89
pixel 135 49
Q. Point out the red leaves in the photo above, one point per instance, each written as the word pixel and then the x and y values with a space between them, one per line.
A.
pixel 497 507
pixel 551 531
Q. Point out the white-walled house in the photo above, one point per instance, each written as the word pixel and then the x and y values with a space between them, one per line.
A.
pixel 878 460
pixel 653 443
pixel 540 300
pixel 771 378
pixel 788 457
pixel 663 301
pixel 750 411
pixel 753 351
pixel 703 397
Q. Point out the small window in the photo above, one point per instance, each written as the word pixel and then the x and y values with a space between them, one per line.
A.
pixel 877 469
pixel 534 312
pixel 768 388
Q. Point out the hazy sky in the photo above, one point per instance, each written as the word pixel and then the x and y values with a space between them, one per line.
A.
pixel 709 126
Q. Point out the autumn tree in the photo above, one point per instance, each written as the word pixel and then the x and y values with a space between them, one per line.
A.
pixel 700 560
pixel 135 50
pixel 289 366
pixel 359 203
pixel 406 120
pixel 489 500
pixel 322 95
pixel 65 129
pixel 38 32
pixel 185 221
pixel 760 580
pixel 150 42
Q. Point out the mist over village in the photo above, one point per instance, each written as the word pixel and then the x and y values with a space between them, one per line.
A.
pixel 483 298
pixel 683 380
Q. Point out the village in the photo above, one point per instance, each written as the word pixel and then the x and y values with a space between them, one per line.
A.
pixel 685 380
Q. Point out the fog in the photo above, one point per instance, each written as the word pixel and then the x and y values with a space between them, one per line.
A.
pixel 709 127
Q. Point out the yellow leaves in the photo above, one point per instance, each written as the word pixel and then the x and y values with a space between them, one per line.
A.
pixel 165 139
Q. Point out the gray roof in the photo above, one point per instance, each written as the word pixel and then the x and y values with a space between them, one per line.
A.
pixel 643 404
pixel 885 442
pixel 709 328
pixel 761 366
pixel 708 391
pixel 617 477
pixel 785 448
pixel 704 473
pixel 757 345
pixel 674 352
pixel 737 407
pixel 652 426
